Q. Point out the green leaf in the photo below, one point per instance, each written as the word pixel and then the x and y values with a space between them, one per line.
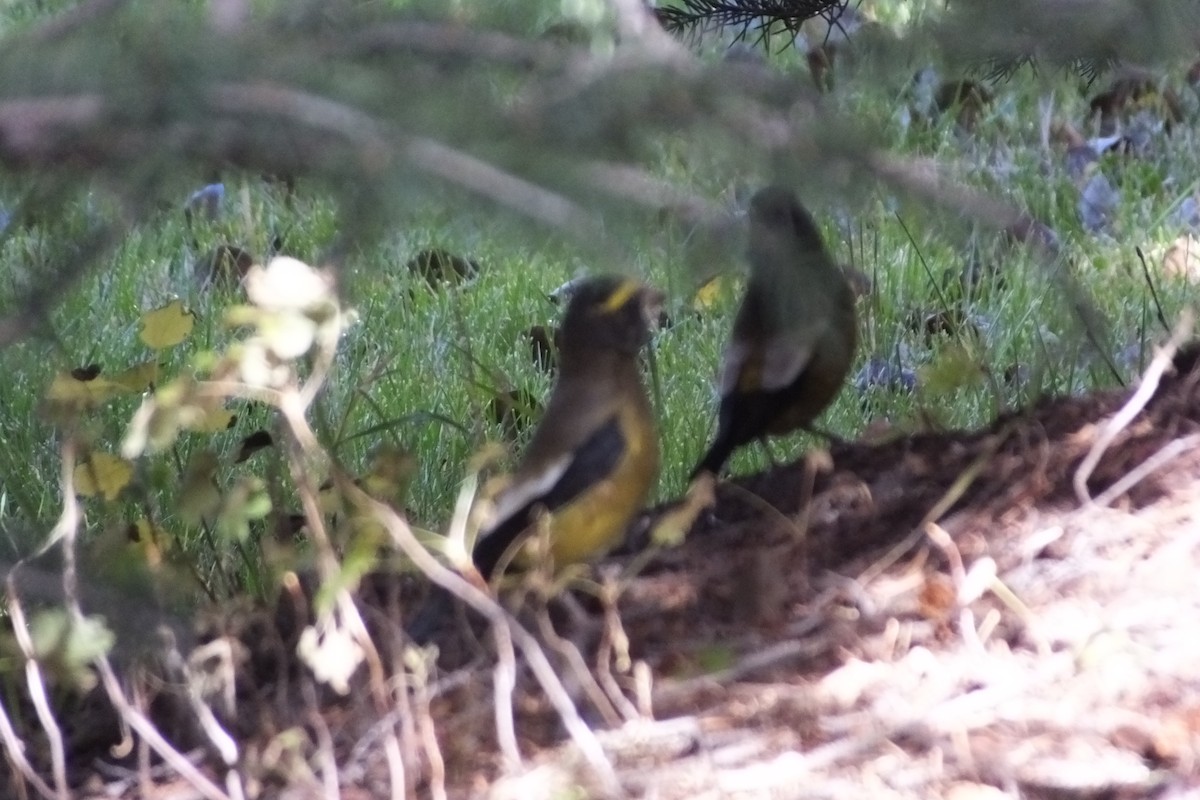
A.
pixel 67 648
pixel 955 368
pixel 245 502
pixel 102 474
pixel 199 497
pixel 69 391
pixel 137 378
pixel 167 326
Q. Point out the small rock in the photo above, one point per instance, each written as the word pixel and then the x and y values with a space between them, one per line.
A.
pixel 206 201
pixel 1098 203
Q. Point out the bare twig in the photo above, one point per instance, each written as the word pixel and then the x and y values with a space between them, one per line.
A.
pixel 37 694
pixel 1163 456
pixel 399 752
pixel 453 41
pixel 425 728
pixel 325 757
pixel 14 747
pixel 579 667
pixel 144 769
pixel 67 530
pixel 217 736
pixel 307 109
pixel 146 729
pixel 505 188
pixel 73 19
pixel 63 529
pixel 15 750
pixel 504 684
pixel 397 774
pixel 614 646
pixel 477 599
pixel 958 574
pixel 951 496
pixel 293 404
pixel 1146 388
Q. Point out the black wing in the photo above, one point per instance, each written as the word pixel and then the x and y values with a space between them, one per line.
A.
pixel 594 461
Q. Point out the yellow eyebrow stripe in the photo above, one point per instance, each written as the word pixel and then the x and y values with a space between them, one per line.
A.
pixel 620 296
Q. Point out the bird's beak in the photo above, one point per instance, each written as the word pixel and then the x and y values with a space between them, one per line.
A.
pixel 652 305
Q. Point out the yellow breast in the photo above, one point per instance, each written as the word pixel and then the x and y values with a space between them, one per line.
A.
pixel 595 522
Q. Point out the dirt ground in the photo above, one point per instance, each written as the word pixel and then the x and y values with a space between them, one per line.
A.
pixel 935 616
pixel 945 619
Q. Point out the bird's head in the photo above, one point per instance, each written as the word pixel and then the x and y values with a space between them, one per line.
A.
pixel 776 211
pixel 609 312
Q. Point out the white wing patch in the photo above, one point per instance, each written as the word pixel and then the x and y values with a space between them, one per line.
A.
pixel 785 357
pixel 736 354
pixel 527 491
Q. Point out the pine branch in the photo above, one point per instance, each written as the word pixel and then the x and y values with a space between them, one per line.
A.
pixel 694 18
pixel 1003 69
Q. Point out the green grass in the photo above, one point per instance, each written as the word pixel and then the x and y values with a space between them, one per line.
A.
pixel 404 375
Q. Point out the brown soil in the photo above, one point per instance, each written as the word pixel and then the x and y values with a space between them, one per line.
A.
pixel 944 618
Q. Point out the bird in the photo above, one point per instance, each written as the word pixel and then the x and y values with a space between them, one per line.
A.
pixel 225 264
pixel 436 267
pixel 512 410
pixel 543 347
pixel 794 336
pixel 594 456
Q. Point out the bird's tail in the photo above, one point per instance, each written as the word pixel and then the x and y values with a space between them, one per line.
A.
pixel 492 546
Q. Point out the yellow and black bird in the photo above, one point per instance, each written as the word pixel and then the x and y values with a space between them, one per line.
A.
pixel 794 336
pixel 595 455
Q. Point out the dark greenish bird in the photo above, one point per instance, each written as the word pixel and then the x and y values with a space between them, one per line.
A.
pixel 794 336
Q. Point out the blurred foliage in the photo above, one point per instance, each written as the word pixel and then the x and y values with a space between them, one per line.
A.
pixel 384 105
pixel 993 39
pixel 749 19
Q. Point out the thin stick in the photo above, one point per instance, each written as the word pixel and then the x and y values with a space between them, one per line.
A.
pixel 584 738
pixel 325 758
pixel 67 530
pixel 1132 407
pixel 568 650
pixel 37 693
pixel 1169 452
pixel 425 728
pixel 504 684
pixel 1162 317
pixel 13 746
pixel 145 728
pixel 941 507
